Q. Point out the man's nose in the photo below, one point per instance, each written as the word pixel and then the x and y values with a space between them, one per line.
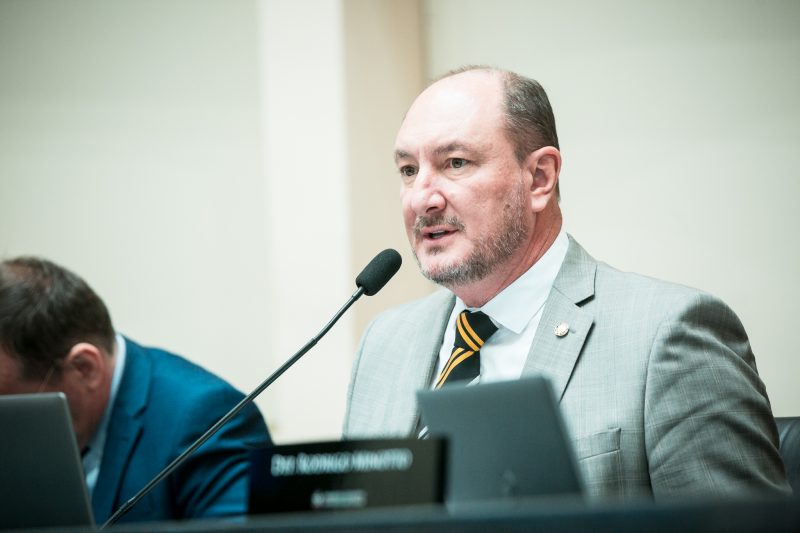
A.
pixel 427 194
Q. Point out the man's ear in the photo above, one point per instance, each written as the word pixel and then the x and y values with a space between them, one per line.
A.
pixel 88 363
pixel 544 167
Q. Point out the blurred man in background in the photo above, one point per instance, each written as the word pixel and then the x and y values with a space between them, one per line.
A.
pixel 134 409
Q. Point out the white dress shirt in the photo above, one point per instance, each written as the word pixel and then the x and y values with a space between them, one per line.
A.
pixel 516 311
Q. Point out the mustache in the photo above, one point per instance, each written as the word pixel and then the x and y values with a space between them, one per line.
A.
pixel 436 220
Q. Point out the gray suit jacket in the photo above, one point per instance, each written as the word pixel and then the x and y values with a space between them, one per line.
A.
pixel 657 383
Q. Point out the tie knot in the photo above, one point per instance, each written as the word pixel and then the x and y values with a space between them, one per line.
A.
pixel 473 328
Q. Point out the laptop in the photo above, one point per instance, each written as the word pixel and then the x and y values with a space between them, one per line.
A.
pixel 41 475
pixel 507 440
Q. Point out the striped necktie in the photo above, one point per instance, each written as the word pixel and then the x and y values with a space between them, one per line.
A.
pixel 473 328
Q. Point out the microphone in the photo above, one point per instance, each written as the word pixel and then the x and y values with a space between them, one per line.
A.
pixel 380 270
pixel 372 279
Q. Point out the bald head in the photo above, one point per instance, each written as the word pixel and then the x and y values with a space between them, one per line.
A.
pixel 460 108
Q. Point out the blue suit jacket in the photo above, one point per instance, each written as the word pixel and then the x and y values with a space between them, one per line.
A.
pixel 165 403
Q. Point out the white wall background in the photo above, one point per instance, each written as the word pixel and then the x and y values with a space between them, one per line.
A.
pixel 304 149
pixel 679 124
pixel 129 152
pixel 192 159
pixel 220 170
pixel 187 158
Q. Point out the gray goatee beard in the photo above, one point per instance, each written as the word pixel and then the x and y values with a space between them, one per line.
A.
pixel 489 251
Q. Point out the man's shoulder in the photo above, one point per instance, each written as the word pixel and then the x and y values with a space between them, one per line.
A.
pixel 623 285
pixel 641 304
pixel 419 310
pixel 410 318
pixel 608 275
pixel 173 371
pixel 174 391
pixel 621 297
pixel 611 281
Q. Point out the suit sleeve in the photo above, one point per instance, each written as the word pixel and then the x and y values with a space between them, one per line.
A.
pixel 214 480
pixel 347 430
pixel 708 423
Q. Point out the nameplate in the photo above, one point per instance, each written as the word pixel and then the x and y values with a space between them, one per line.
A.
pixel 346 475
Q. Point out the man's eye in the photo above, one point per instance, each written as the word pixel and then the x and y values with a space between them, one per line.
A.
pixel 408 170
pixel 458 162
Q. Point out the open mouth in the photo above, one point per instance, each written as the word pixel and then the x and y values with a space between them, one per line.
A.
pixel 437 234
pixel 436 228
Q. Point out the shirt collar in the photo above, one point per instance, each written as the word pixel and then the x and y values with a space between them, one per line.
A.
pixel 515 306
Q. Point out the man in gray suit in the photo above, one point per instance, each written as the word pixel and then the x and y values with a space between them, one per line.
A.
pixel 657 382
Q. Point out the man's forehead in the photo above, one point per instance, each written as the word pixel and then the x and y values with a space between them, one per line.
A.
pixel 452 113
pixel 466 90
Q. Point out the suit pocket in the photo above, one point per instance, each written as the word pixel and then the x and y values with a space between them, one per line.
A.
pixel 600 463
pixel 597 444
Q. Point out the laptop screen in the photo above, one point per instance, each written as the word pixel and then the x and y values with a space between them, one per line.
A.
pixel 42 483
pixel 507 440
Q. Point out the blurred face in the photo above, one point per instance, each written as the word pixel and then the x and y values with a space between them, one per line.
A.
pixel 464 197
pixel 84 379
pixel 11 380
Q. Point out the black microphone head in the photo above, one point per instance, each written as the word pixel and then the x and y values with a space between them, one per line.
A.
pixel 380 270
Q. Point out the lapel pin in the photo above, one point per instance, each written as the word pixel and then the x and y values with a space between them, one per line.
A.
pixel 561 329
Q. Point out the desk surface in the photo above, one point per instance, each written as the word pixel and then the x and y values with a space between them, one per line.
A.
pixel 540 514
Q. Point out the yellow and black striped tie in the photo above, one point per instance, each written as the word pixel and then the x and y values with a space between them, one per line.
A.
pixel 473 328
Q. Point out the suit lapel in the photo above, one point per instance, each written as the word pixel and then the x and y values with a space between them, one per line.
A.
pixel 551 354
pixel 124 429
pixel 427 333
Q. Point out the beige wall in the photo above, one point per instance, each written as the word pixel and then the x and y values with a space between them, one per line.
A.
pixel 220 171
pixel 385 69
pixel 679 125
pixel 130 140
pixel 304 160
